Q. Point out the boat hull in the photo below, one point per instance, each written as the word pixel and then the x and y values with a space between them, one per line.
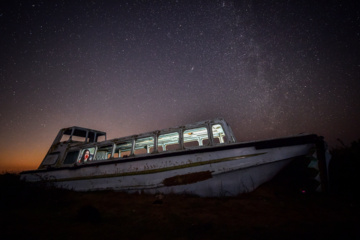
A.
pixel 219 171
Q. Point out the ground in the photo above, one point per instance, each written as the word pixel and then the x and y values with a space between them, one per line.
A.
pixel 38 212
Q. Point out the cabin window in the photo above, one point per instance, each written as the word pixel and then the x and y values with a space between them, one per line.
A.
pixel 144 145
pixel 104 152
pixel 78 139
pixel 71 157
pixel 101 138
pixel 123 149
pixel 196 137
pixel 86 155
pixel 168 142
pixel 66 138
pixel 90 137
pixel 218 134
pixel 51 159
pixel 79 135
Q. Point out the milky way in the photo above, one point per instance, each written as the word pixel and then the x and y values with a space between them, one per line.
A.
pixel 127 67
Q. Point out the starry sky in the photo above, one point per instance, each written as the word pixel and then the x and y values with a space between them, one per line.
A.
pixel 270 68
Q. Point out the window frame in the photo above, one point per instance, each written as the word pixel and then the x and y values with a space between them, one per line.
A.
pixel 131 141
pixel 148 151
pixel 178 143
pixel 69 152
pixel 224 138
pixel 200 144
pixel 112 145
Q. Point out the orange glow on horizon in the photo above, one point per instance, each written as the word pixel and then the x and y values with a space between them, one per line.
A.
pixel 17 161
pixel 16 169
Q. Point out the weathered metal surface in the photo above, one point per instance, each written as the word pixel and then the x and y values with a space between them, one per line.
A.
pixel 187 178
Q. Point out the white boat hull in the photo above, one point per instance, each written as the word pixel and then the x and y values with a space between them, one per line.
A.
pixel 216 172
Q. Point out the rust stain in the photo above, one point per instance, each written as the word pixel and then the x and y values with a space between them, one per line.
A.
pixel 187 178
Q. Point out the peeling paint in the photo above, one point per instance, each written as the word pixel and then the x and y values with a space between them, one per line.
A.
pixel 187 178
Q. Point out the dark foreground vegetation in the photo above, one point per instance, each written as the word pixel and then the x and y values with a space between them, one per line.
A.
pixel 275 211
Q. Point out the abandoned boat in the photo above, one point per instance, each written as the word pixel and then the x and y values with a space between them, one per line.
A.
pixel 201 158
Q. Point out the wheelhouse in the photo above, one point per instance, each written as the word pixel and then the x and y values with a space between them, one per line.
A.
pixel 63 149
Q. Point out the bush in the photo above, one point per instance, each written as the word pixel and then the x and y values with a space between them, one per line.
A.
pixel 343 169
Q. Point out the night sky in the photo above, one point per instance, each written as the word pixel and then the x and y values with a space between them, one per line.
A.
pixel 270 68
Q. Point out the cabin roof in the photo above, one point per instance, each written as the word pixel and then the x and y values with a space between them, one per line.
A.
pixel 81 132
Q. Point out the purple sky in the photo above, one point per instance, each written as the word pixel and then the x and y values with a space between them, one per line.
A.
pixel 126 67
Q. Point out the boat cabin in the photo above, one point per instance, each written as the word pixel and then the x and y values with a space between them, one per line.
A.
pixel 77 146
